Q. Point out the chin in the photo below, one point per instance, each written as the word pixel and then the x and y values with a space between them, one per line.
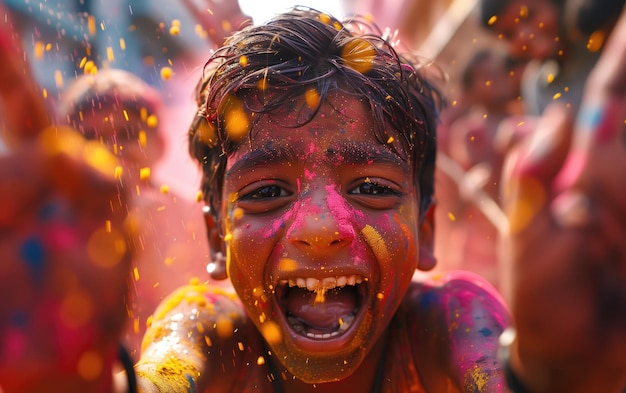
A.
pixel 324 358
pixel 320 369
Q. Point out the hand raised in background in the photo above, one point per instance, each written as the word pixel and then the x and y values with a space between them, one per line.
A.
pixel 565 251
pixel 63 244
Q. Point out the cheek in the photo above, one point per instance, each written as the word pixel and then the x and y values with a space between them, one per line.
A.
pixel 251 240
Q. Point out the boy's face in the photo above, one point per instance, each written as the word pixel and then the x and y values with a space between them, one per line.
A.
pixel 322 227
pixel 531 28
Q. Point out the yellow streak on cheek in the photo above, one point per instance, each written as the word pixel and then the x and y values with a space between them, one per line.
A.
pixel 376 242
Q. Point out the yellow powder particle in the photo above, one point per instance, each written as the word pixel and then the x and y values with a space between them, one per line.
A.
pixel 175 30
pixel 152 121
pixel 58 79
pixel 312 98
pixel 143 138
pixel 359 54
pixel 166 73
pixel 237 213
pixel 596 41
pixel 144 173
pixel 91 24
pixel 224 327
pixel 39 50
pixel 260 361
pixel 271 332
pixel 100 158
pixel 237 123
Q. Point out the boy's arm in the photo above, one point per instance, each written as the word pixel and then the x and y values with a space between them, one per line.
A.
pixel 196 339
pixel 467 317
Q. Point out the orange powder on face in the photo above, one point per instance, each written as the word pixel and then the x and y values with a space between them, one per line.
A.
pixel 376 243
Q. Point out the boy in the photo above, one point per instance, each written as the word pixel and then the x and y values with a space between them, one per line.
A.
pixel 317 144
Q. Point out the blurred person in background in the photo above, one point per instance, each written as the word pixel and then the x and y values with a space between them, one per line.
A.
pixel 121 111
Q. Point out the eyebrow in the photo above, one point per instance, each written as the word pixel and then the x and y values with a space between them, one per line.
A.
pixel 364 153
pixel 267 155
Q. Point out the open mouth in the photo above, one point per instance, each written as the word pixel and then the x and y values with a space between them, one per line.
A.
pixel 321 309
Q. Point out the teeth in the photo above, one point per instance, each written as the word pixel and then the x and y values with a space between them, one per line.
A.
pixel 313 284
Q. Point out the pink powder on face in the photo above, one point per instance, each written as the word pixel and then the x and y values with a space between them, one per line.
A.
pixel 308 175
pixel 277 224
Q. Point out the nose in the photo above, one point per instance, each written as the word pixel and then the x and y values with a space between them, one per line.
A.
pixel 322 223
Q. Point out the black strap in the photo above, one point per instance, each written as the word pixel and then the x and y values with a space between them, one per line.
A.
pixel 129 367
pixel 512 381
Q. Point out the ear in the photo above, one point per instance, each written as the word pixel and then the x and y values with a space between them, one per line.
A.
pixel 217 253
pixel 427 259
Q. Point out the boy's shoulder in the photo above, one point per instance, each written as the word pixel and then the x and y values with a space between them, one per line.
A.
pixel 445 301
pixel 200 329
pixel 454 320
pixel 445 285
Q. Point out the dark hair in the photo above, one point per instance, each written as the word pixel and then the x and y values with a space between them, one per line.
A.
pixel 269 67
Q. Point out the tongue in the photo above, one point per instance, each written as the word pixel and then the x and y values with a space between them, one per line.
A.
pixel 321 312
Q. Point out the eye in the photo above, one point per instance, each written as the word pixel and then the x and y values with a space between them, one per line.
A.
pixel 265 192
pixel 373 188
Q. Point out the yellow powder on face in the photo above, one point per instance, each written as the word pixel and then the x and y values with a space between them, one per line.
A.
pixel 376 243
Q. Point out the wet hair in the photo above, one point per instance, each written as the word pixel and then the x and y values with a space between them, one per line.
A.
pixel 267 68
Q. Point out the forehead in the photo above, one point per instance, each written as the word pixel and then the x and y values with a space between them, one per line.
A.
pixel 343 129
